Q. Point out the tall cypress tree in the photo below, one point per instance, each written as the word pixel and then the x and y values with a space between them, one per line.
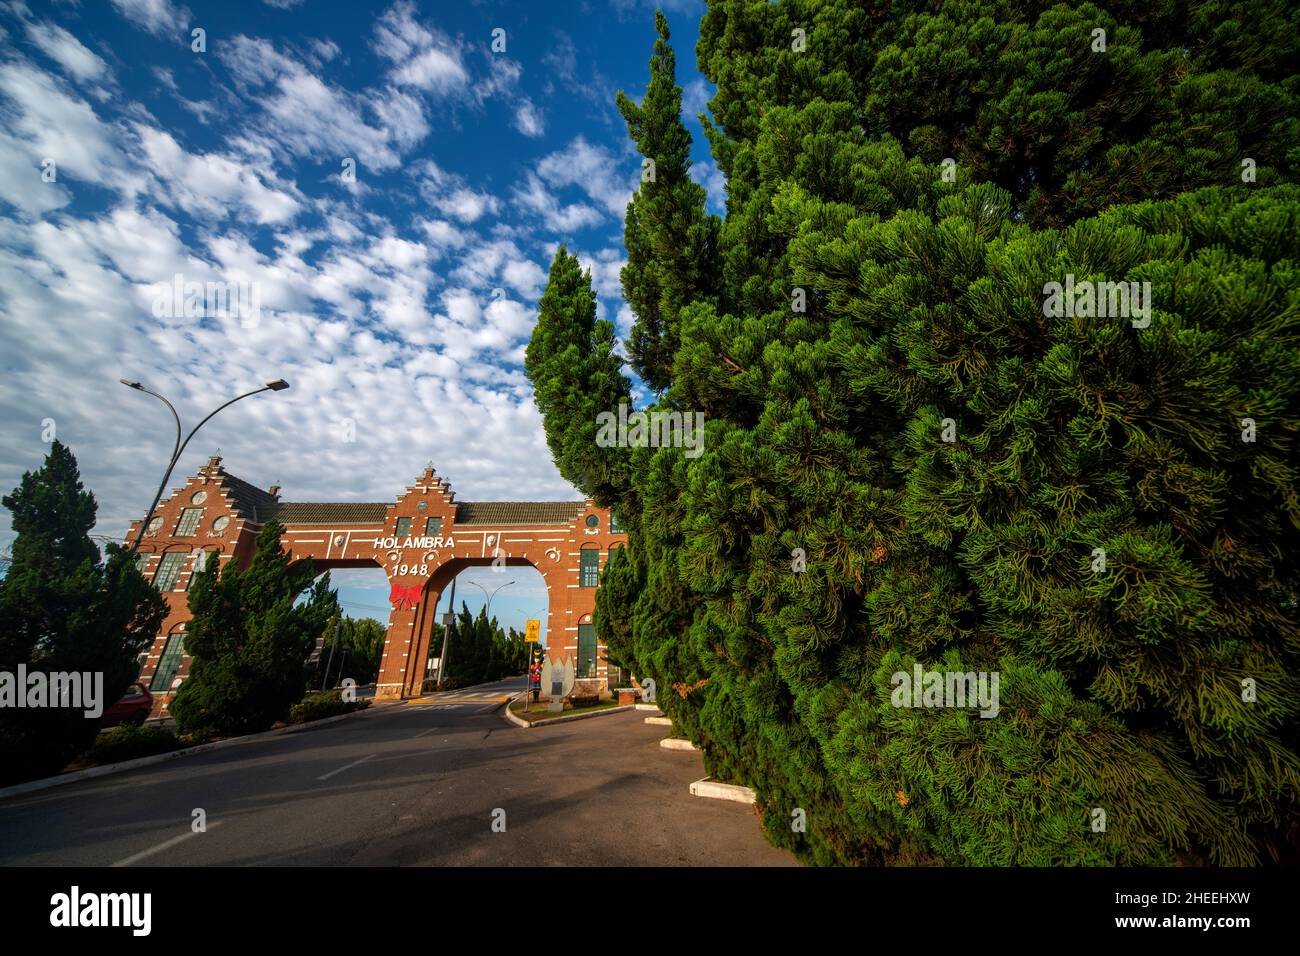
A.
pixel 576 375
pixel 671 240
pixel 62 609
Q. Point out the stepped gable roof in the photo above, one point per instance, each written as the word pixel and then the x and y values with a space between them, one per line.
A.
pixel 494 513
pixel 250 500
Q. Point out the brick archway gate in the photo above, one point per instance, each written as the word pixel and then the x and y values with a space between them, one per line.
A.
pixel 422 539
pixel 405 662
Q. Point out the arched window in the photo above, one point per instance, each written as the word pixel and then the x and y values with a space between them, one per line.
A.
pixel 169 569
pixel 589 567
pixel 586 648
pixel 169 662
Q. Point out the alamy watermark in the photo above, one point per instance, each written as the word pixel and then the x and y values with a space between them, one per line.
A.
pixel 180 299
pixel 946 689
pixel 1114 300
pixel 76 690
pixel 75 909
pixel 656 429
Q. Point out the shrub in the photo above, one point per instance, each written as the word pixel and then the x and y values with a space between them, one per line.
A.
pixel 129 742
pixel 322 704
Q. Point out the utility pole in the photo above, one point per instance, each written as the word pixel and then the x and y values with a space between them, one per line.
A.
pixel 338 624
pixel 446 631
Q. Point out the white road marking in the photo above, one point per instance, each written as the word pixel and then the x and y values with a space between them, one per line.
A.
pixel 424 733
pixel 348 767
pixel 166 844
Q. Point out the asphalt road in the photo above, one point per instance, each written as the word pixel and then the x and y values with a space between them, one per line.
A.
pixel 401 784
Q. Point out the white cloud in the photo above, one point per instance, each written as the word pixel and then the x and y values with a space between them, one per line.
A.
pixel 715 184
pixel 51 123
pixel 61 46
pixel 311 118
pixel 376 320
pixel 449 194
pixel 421 57
pixel 695 100
pixel 528 120
pixel 159 17
pixel 533 196
pixel 594 170
pixel 212 185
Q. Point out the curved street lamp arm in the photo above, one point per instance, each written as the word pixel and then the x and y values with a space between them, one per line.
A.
pixel 176 447
pixel 181 450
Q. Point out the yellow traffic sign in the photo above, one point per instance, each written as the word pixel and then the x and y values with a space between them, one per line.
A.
pixel 533 632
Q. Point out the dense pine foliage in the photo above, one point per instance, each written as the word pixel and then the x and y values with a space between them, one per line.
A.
pixel 909 462
pixel 248 640
pixel 63 609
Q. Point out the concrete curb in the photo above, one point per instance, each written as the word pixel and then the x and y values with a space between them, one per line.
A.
pixel 90 773
pixel 677 743
pixel 520 722
pixel 708 787
pixel 517 721
pixel 659 721
pixel 646 706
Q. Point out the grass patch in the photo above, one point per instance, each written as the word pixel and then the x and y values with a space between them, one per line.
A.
pixel 539 713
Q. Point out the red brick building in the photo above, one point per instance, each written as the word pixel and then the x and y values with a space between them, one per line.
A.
pixel 422 540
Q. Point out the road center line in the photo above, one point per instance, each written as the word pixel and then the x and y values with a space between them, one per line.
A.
pixel 166 844
pixel 348 767
pixel 425 732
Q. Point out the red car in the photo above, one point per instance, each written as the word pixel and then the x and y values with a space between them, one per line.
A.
pixel 132 708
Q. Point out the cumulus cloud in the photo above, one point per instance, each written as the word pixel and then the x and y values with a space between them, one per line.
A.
pixel 594 170
pixel 451 195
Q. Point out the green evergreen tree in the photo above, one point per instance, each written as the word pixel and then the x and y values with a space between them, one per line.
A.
pixel 577 375
pixel 360 649
pixel 908 462
pixel 671 240
pixel 247 640
pixel 63 609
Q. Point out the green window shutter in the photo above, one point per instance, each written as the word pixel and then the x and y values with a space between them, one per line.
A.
pixel 589 568
pixel 586 650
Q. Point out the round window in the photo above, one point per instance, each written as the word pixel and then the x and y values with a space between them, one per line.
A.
pixel 154 525
pixel 592 521
pixel 422 506
pixel 199 497
pixel 220 523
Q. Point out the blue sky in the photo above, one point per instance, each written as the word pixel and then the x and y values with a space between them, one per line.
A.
pixel 397 304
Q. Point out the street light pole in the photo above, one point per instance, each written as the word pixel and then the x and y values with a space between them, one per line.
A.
pixel 178 447
pixel 487 611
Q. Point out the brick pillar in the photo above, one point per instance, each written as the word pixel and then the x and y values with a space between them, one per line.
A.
pixel 423 629
pixel 393 665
